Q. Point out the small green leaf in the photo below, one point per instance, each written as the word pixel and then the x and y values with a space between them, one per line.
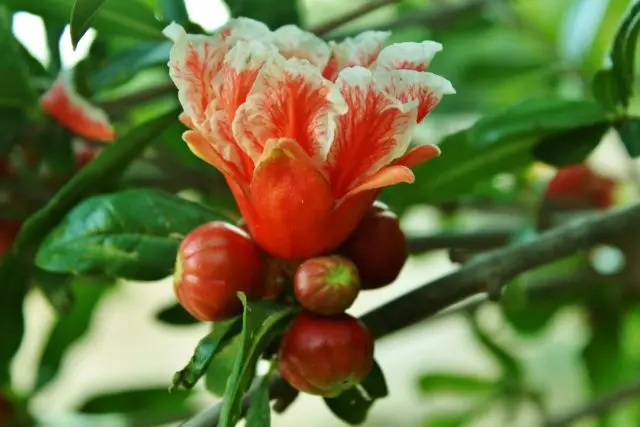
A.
pixel 70 328
pixel 259 412
pixel 570 146
pixel 176 315
pixel 352 406
pixel 629 131
pixel 452 382
pixel 604 87
pixel 262 321
pixel 274 14
pixel 623 53
pixel 16 89
pixel 82 13
pixel 130 18
pixel 222 334
pixel 152 402
pixel 132 234
pixel 221 367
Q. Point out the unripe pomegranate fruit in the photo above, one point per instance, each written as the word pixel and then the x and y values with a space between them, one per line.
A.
pixel 8 231
pixel 216 261
pixel 378 248
pixel 579 187
pixel 325 355
pixel 326 285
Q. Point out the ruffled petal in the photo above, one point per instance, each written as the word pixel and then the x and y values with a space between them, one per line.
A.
pixel 292 42
pixel 411 87
pixel 385 177
pixel 375 131
pixel 361 50
pixel 71 110
pixel 194 60
pixel 408 56
pixel 290 99
pixel 418 155
pixel 205 149
pixel 242 28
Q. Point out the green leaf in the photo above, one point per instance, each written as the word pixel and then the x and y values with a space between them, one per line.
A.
pixel 149 403
pixel 604 87
pixel 571 146
pixel 273 13
pixel 606 32
pixel 70 328
pixel 221 367
pixel 16 89
pixel 453 382
pixel 536 118
pixel 623 54
pixel 629 131
pixel 259 412
pixel 133 234
pixel 54 32
pixel 352 406
pixel 130 18
pixel 82 13
pixel 173 10
pixel 175 314
pixel 262 321
pixel 13 122
pixel 57 289
pixel 223 332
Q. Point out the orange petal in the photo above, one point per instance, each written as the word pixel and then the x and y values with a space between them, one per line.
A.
pixel 375 131
pixel 418 155
pixel 290 99
pixel 292 42
pixel 63 103
pixel 385 177
pixel 361 50
pixel 408 55
pixel 411 87
pixel 204 149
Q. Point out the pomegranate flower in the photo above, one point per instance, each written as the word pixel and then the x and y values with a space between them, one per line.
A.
pixel 306 133
pixel 72 111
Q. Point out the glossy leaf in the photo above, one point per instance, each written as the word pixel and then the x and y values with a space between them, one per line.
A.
pixel 57 289
pixel 16 89
pixel 259 412
pixel 262 321
pixel 453 382
pixel 623 53
pixel 221 367
pixel 143 403
pixel 353 405
pixel 221 336
pixel 629 131
pixel 605 89
pixel 274 14
pixel 611 17
pixel 173 10
pixel 69 328
pixel 131 18
pixel 82 13
pixel 176 315
pixel 54 32
pixel 571 146
pixel 132 234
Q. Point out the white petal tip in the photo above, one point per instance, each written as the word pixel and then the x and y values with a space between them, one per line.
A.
pixel 174 32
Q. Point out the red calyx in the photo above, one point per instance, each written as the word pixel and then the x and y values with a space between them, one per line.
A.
pixel 326 285
pixel 378 247
pixel 216 261
pixel 325 355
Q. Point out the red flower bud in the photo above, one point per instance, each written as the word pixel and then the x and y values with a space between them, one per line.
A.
pixel 326 285
pixel 325 355
pixel 215 262
pixel 378 248
pixel 8 231
pixel 579 187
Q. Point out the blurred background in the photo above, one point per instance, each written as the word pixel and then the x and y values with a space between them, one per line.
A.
pixel 496 53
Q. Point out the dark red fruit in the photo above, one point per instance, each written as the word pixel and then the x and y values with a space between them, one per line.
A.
pixel 8 231
pixel 378 248
pixel 326 285
pixel 325 355
pixel 579 187
pixel 215 262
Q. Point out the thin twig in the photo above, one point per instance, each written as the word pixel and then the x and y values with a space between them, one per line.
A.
pixel 475 240
pixel 355 14
pixel 494 267
pixel 598 406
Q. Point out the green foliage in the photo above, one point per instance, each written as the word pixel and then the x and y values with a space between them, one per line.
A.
pixel 623 55
pixel 221 367
pixel 262 321
pixel 132 234
pixel 208 347
pixel 629 131
pixel 175 315
pixel 16 90
pixel 274 14
pixel 439 382
pixel 259 413
pixel 82 13
pixel 352 406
